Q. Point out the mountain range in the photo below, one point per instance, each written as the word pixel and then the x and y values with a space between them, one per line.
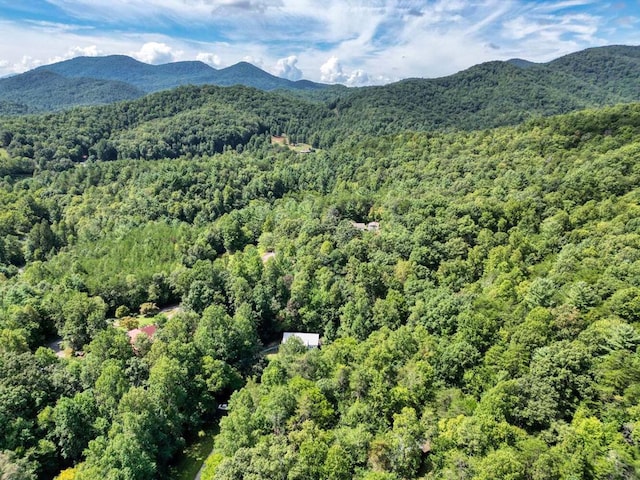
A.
pixel 500 92
pixel 489 94
pixel 102 80
pixel 152 78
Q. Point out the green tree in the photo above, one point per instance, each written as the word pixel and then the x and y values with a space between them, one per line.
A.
pixel 73 420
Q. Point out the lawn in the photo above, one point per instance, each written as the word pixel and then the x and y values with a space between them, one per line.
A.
pixel 144 320
pixel 302 147
pixel 296 147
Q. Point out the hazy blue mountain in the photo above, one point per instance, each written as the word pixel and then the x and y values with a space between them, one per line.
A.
pixel 99 80
pixel 151 78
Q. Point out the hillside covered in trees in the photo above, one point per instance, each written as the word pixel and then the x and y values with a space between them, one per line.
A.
pixel 486 95
pixel 202 120
pixel 105 80
pixel 489 328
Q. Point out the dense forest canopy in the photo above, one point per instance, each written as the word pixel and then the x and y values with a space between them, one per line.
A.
pixel 487 327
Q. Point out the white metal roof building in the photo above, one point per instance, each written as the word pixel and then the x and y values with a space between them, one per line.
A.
pixel 310 340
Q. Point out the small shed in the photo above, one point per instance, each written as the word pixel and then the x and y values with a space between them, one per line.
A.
pixel 310 340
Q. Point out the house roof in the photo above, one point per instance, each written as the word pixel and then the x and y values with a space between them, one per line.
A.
pixel 308 339
pixel 371 226
pixel 149 330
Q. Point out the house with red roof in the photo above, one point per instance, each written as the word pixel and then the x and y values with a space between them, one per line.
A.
pixel 149 331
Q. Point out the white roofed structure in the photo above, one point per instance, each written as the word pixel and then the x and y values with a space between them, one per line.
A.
pixel 310 340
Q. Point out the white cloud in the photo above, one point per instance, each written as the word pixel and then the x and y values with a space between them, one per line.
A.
pixel 286 68
pixel 552 7
pixel 155 53
pixel 358 78
pixel 331 71
pixel 247 5
pixel 355 42
pixel 27 62
pixel 257 61
pixel 89 51
pixel 209 58
pixel 159 11
pixel 553 31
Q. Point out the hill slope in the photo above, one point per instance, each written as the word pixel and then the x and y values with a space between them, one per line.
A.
pixel 194 120
pixel 489 329
pixel 497 93
pixel 100 80
pixel 191 120
pixel 44 90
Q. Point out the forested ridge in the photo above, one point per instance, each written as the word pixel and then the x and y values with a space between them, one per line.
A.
pixel 487 328
pixel 490 94
pixel 498 93
pixel 202 120
pixel 113 78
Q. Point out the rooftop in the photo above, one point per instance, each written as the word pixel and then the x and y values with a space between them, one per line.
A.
pixel 310 340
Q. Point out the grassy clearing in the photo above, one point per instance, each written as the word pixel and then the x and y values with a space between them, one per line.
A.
pixel 302 148
pixel 145 321
pixel 296 147
pixel 194 455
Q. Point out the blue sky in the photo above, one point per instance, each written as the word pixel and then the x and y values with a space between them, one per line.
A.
pixel 355 42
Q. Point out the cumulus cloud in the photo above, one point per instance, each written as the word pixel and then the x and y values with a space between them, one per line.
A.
pixel 27 63
pixel 258 62
pixel 358 77
pixel 89 51
pixel 286 68
pixel 155 53
pixel 331 71
pixel 209 58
